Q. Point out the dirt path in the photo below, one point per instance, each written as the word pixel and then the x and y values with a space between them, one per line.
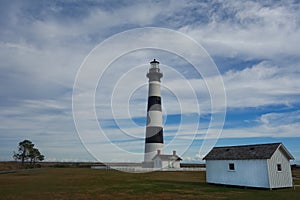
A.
pixel 17 170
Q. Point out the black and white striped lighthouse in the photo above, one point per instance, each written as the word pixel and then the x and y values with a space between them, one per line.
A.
pixel 154 131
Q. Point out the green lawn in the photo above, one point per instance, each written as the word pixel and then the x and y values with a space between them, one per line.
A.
pixel 79 183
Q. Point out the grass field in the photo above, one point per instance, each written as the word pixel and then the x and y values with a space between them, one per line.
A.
pixel 80 183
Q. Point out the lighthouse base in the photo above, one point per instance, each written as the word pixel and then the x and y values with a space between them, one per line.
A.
pixel 149 164
pixel 151 150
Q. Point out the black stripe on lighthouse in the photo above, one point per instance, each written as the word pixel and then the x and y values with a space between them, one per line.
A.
pixel 154 103
pixel 155 135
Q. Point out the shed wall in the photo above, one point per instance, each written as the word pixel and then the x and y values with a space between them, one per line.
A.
pixel 281 178
pixel 251 173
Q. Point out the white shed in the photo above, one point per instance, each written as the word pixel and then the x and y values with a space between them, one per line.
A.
pixel 261 165
pixel 166 161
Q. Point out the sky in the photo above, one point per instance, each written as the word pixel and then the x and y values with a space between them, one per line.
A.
pixel 72 76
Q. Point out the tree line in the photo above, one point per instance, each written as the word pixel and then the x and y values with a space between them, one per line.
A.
pixel 28 153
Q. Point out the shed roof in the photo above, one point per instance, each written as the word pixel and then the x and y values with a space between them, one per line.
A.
pixel 246 152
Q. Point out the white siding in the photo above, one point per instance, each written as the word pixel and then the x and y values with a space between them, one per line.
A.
pixel 251 173
pixel 176 164
pixel 165 164
pixel 281 178
pixel 158 163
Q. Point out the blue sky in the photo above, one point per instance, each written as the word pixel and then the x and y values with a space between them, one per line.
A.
pixel 43 44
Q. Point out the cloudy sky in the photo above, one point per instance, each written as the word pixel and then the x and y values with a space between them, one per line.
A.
pixel 47 47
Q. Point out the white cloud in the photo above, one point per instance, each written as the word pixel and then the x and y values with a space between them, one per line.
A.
pixel 251 30
pixel 270 125
pixel 262 85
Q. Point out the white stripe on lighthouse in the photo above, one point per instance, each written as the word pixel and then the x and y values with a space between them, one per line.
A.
pixel 154 88
pixel 154 118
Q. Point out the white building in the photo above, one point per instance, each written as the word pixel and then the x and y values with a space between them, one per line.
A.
pixel 164 161
pixel 262 165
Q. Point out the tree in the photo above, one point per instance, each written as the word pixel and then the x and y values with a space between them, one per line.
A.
pixel 35 155
pixel 26 151
pixel 23 151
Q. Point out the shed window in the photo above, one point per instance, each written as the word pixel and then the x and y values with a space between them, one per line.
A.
pixel 279 169
pixel 231 166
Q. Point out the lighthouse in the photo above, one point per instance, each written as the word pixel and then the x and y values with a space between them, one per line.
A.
pixel 154 141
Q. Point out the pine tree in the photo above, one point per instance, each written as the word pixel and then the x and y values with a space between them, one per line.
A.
pixel 26 151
